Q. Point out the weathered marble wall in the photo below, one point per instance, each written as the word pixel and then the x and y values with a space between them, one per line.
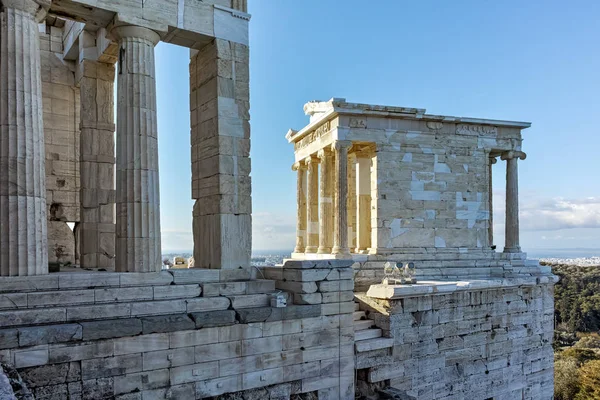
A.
pixel 61 131
pixel 477 344
pixel 181 334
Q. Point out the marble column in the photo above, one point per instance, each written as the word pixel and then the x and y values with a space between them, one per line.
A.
pixel 301 205
pixel 138 203
pixel 363 199
pixel 512 201
pixel 23 226
pixel 325 202
pixel 312 207
pixel 352 201
pixel 492 161
pixel 340 225
pixel 97 159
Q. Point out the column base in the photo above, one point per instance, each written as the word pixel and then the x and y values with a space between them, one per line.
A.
pixel 324 250
pixel 361 251
pixel 311 249
pixel 341 252
pixel 516 249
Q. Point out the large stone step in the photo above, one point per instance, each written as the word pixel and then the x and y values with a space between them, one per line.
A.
pixel 367 334
pixel 363 324
pixel 358 315
pixel 97 280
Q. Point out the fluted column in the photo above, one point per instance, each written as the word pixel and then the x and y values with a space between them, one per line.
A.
pixel 312 207
pixel 492 161
pixel 340 224
pixel 326 202
pixel 23 228
pixel 363 199
pixel 352 201
pixel 301 205
pixel 138 204
pixel 512 201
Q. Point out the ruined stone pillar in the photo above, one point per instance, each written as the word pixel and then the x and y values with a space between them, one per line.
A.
pixel 352 201
pixel 138 202
pixel 97 159
pixel 23 227
pixel 312 209
pixel 512 201
pixel 220 139
pixel 492 161
pixel 340 237
pixel 326 202
pixel 363 198
pixel 301 204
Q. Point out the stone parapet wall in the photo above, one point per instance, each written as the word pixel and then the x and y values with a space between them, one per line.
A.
pixel 493 341
pixel 179 334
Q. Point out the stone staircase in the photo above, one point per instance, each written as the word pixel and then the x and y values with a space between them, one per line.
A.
pixel 367 337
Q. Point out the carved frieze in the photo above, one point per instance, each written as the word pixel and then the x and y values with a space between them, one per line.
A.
pixel 312 136
pixel 435 126
pixel 464 129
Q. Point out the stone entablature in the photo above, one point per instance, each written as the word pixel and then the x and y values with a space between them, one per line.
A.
pixel 419 183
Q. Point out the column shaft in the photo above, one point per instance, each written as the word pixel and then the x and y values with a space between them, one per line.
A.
pixel 512 201
pixel 352 201
pixel 340 237
pixel 492 161
pixel 363 198
pixel 23 226
pixel 97 163
pixel 312 208
pixel 326 202
pixel 301 204
pixel 138 203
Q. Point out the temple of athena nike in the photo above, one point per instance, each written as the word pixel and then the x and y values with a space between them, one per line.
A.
pixel 377 187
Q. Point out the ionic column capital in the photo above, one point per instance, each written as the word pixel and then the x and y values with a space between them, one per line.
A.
pixel 340 144
pixel 299 165
pixel 509 155
pixel 310 160
pixel 324 153
pixel 119 33
pixel 37 8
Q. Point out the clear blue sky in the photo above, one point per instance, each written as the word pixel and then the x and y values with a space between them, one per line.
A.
pixel 534 61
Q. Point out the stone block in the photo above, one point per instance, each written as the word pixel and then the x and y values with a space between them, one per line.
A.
pixel 194 275
pixel 28 283
pixel 176 291
pixel 259 314
pixel 261 345
pixel 83 351
pixel 83 313
pixel 309 298
pixel 139 344
pixel 111 328
pixel 88 280
pixel 98 389
pixel 297 287
pixel 209 319
pixel 123 294
pixel 9 338
pixel 33 336
pixel 305 275
pixel 250 301
pixel 167 358
pixel 301 311
pixel 261 286
pixel 141 381
pixel 13 300
pixel 146 279
pixel 207 304
pixel 158 307
pixel 224 289
pixel 267 377
pixel 193 338
pixel 30 357
pixel 167 323
pixel 194 372
pixel 218 351
pixel 185 391
pixel 53 374
pixel 32 317
pixel 335 286
pixel 111 366
pixel 240 331
pixel 217 386
pixel 326 264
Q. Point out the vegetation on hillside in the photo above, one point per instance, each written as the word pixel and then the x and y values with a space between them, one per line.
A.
pixel 576 340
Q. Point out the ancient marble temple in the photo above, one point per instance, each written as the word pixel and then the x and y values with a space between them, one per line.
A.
pixel 375 185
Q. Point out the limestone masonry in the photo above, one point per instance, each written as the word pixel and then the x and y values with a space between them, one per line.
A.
pixel 375 184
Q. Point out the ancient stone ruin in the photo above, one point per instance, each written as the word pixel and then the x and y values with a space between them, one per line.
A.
pixel 375 185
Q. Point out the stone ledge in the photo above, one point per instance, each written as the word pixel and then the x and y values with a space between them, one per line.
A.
pixel 443 287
